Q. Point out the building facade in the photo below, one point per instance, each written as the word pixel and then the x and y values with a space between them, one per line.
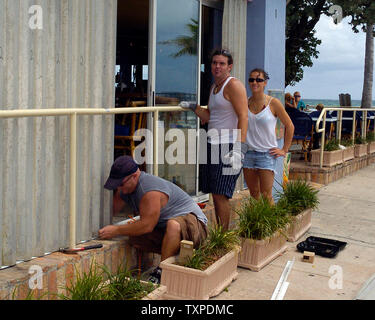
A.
pixel 102 54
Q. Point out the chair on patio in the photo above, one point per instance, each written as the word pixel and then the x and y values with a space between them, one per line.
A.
pixel 125 140
pixel 303 130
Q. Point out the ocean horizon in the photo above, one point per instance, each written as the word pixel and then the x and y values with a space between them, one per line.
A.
pixel 331 102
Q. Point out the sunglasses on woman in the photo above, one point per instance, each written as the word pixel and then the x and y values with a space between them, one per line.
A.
pixel 256 79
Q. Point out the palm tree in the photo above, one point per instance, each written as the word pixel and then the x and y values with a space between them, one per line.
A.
pixel 362 13
pixel 369 68
pixel 188 44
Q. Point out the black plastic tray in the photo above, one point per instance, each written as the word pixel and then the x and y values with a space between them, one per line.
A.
pixel 321 246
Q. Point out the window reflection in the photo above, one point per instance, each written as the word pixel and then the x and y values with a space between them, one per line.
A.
pixel 177 37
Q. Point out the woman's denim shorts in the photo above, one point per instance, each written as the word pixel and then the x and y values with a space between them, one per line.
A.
pixel 259 160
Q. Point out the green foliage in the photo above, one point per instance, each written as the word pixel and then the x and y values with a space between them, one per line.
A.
pixel 362 13
pixel 100 284
pixel 217 244
pixel 347 142
pixel 258 219
pixel 31 295
pixel 122 286
pixel 87 286
pixel 331 145
pixel 187 44
pixel 370 137
pixel 359 140
pixel 301 43
pixel 298 196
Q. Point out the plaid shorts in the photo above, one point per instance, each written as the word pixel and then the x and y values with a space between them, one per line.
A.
pixel 192 229
pixel 216 176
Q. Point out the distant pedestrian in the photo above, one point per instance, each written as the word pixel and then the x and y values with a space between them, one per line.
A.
pixel 299 102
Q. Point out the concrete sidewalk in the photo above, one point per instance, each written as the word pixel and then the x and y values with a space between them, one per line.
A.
pixel 346 213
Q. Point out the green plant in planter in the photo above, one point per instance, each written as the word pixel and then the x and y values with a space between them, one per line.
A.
pixel 122 286
pixel 347 142
pixel 87 286
pixel 297 196
pixel 359 140
pixel 100 284
pixel 217 244
pixel 331 145
pixel 370 137
pixel 258 219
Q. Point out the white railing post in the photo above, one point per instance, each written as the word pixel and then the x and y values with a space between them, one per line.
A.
pixel 323 139
pixel 339 124
pixel 354 125
pixel 155 133
pixel 364 124
pixel 73 179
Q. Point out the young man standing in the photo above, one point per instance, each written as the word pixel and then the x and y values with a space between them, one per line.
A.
pixel 227 117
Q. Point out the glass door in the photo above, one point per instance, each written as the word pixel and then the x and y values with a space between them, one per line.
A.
pixel 175 77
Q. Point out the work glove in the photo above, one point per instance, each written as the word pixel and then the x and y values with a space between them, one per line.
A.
pixel 237 155
pixel 192 105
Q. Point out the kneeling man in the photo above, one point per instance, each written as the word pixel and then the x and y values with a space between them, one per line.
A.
pixel 167 213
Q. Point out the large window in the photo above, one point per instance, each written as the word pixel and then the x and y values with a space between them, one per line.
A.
pixel 176 79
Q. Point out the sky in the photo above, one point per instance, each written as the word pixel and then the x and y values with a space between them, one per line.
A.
pixel 340 65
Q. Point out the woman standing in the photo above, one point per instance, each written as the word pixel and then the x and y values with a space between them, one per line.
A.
pixel 260 160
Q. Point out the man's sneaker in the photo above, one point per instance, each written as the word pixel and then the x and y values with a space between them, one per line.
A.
pixel 155 276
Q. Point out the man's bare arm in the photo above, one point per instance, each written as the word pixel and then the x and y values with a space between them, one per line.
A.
pixel 235 92
pixel 149 211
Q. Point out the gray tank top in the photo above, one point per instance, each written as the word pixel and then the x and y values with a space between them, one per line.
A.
pixel 179 202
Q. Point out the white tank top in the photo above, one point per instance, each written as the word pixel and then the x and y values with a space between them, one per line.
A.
pixel 222 127
pixel 261 135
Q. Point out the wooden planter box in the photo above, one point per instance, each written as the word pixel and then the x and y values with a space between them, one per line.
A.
pixel 330 158
pixel 256 254
pixel 360 150
pixel 192 284
pixel 299 225
pixel 348 154
pixel 371 147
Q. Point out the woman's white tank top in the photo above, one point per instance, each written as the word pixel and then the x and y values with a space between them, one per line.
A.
pixel 222 127
pixel 261 135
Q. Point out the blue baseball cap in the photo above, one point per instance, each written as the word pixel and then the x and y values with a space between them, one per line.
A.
pixel 122 167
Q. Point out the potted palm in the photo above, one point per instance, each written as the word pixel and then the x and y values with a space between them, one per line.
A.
pixel 332 154
pixel 370 138
pixel 262 228
pixel 299 199
pixel 360 148
pixel 212 267
pixel 348 152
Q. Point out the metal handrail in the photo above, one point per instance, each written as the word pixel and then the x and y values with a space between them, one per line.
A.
pixel 72 113
pixel 323 115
